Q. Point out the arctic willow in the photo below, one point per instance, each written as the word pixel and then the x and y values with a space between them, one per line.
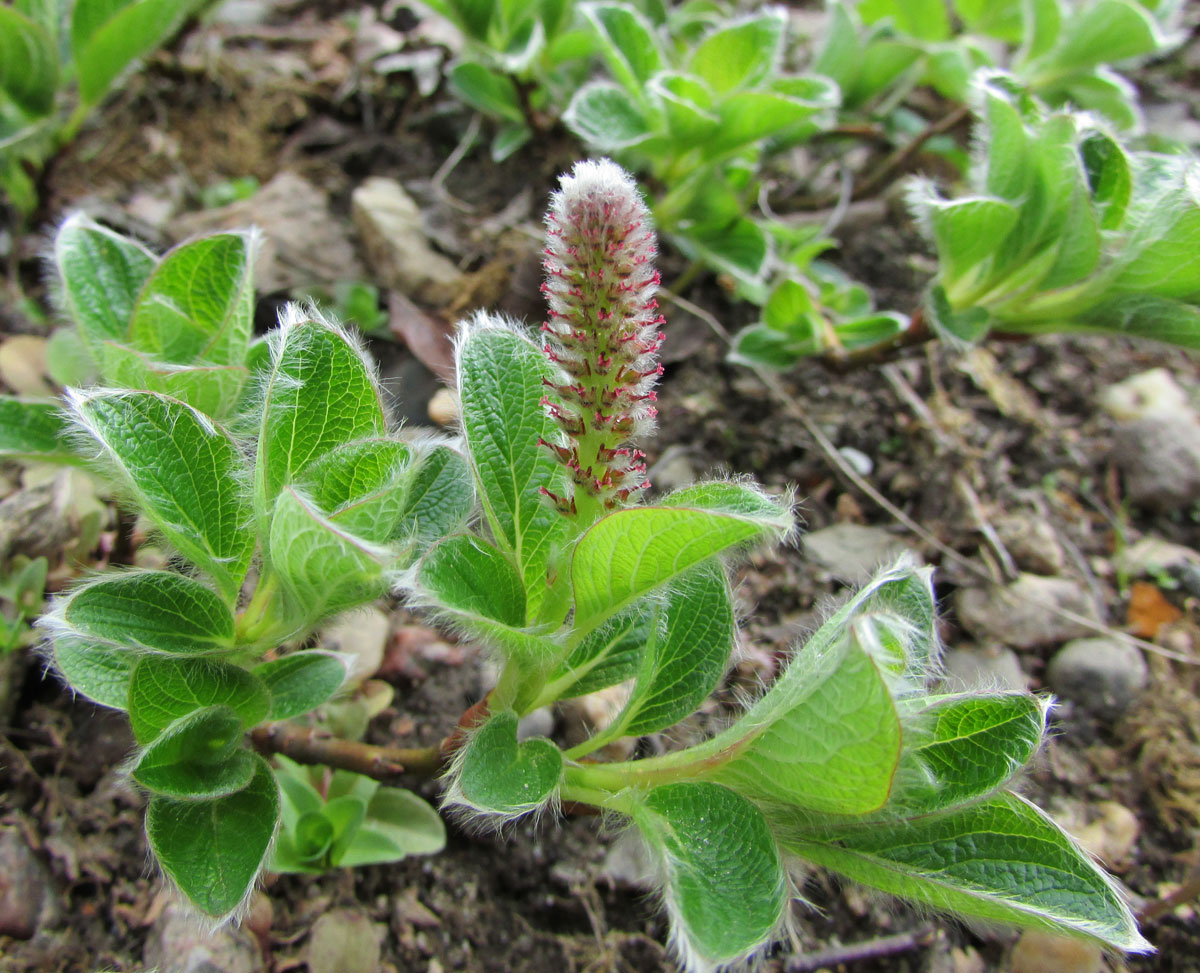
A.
pixel 534 535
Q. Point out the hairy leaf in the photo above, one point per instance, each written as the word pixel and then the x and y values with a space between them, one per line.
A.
pixel 323 569
pixel 500 776
pixel 157 610
pixel 197 757
pixel 725 888
pixel 214 850
pixel 319 394
pixel 183 471
pixel 101 273
pixel 301 681
pixel 28 62
pixel 198 302
pixel 397 824
pixel 163 690
pixel 686 655
pixel 136 30
pixel 1000 860
pixel 633 551
pixel 500 384
pixel 214 390
pixel 33 430
pixel 742 54
pixel 95 670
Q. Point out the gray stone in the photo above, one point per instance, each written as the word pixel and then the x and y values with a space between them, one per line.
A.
pixel 1102 675
pixel 24 886
pixel 852 552
pixel 1031 541
pixel 1026 613
pixel 180 942
pixel 627 865
pixel 344 941
pixel 1159 457
pixel 397 247
pixel 971 668
pixel 302 245
pixel 539 723
pixel 1152 556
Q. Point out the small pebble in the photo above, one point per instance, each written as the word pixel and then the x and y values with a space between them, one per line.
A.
pixel 1102 675
pixel 443 407
pixel 179 943
pixel 1159 458
pixel 971 669
pixel 1021 614
pixel 1040 952
pixel 852 552
pixel 1112 836
pixel 24 885
pixel 344 941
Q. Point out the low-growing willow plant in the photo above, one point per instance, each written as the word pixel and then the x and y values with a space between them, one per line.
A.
pixel 181 324
pixel 1062 227
pixel 572 581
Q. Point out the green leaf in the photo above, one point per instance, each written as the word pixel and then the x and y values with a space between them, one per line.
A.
pixel 1103 92
pixel 631 552
pixel 687 103
pixel 740 498
pixel 762 345
pixel 627 43
pixel 478 588
pixel 742 54
pixel 197 757
pixel 1103 32
pixel 441 497
pixel 99 672
pixel 214 390
pixel 214 850
pixel 608 654
pixel 871 330
pixel 967 231
pixel 88 16
pixel 101 274
pixel 198 302
pixel 33 430
pixel 28 62
pixel 469 576
pixel 319 394
pixel 362 486
pixel 156 610
pixel 606 117
pixel 686 655
pixel 324 569
pixel 968 325
pixel 725 888
pixel 163 690
pixel 1158 257
pixel 69 361
pixel 498 775
pixel 962 748
pixel 184 472
pixel 301 681
pixel 830 740
pixel 739 248
pixel 487 91
pixel 136 30
pixel 749 117
pixel 1148 317
pixel 509 138
pixel 500 385
pixel 1000 860
pixel 397 824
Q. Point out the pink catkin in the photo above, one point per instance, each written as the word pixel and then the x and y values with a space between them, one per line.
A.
pixel 602 331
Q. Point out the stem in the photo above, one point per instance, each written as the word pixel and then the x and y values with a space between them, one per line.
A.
pixel 254 619
pixel 309 746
